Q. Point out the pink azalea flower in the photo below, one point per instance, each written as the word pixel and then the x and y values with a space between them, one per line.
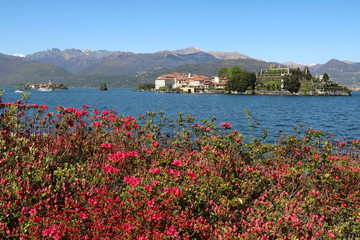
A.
pixel 192 175
pixel 132 181
pixel 177 162
pixel 97 124
pixel 341 144
pixel 155 170
pixel 226 125
pixel 110 169
pixel 32 212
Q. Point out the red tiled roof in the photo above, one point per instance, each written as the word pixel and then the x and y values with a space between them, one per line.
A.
pixel 183 78
pixel 221 83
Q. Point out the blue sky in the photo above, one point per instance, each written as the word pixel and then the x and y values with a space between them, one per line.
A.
pixel 306 31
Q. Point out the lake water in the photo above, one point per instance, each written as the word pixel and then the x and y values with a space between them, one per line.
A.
pixel 338 115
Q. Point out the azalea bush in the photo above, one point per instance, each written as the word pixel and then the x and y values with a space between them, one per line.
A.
pixel 86 174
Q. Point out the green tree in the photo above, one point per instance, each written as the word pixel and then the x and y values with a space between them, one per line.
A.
pixel 224 72
pixel 240 80
pixel 292 83
pixel 251 80
pixel 326 77
pixel 307 74
pixel 146 86
pixel 103 87
pixel 164 88
pixel 296 71
pixel 234 83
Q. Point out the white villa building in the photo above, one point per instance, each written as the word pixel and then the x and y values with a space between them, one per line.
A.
pixel 189 83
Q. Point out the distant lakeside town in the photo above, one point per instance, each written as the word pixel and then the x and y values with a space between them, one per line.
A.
pixel 275 80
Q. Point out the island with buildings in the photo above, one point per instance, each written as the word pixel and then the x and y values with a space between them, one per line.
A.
pixel 45 86
pixel 188 83
pixel 276 80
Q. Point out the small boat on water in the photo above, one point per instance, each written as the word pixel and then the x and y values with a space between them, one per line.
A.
pixel 19 91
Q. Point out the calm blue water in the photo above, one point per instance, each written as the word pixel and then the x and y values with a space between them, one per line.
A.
pixel 338 115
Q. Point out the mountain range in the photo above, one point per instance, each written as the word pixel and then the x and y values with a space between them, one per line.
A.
pixel 88 68
pixel 88 62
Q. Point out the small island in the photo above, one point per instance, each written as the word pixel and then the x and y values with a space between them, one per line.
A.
pixel 48 86
pixel 276 80
pixel 103 87
pixel 293 81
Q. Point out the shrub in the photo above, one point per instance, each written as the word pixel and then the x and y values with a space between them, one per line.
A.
pixel 82 174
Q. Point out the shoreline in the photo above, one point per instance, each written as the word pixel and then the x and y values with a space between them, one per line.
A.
pixel 263 92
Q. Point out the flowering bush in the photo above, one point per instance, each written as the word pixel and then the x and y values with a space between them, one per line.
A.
pixel 82 174
pixel 226 125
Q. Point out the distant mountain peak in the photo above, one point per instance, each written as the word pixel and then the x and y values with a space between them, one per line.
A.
pixel 87 50
pixel 293 65
pixel 334 60
pixel 229 55
pixel 217 55
pixel 299 65
pixel 312 64
pixel 335 63
pixel 188 50
pixel 19 55
pixel 164 52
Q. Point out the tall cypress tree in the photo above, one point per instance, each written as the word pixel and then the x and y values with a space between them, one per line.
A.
pixel 326 77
